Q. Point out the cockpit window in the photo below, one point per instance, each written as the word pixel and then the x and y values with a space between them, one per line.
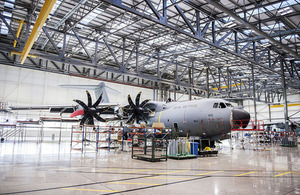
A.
pixel 222 105
pixel 229 105
pixel 215 105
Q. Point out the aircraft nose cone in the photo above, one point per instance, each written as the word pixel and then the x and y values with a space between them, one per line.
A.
pixel 240 117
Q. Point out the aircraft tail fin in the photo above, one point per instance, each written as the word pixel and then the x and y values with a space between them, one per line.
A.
pixel 98 89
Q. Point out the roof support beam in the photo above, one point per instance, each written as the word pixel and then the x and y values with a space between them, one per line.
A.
pixel 44 13
pixel 184 18
pixel 83 46
pixel 246 23
pixel 180 77
pixel 21 22
pixel 67 16
pixel 169 63
pixel 52 42
pixel 224 37
pixel 245 46
pixel 112 53
pixel 153 9
pixel 129 57
pixel 9 28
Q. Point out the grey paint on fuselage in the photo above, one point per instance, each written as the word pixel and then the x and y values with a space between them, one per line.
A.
pixel 196 117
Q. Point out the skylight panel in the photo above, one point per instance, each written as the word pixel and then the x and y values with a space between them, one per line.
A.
pixel 9 4
pixel 4 29
pixel 56 5
pixel 91 16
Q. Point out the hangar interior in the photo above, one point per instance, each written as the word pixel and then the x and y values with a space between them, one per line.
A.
pixel 246 52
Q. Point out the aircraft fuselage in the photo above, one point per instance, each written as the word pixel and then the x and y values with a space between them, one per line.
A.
pixel 206 118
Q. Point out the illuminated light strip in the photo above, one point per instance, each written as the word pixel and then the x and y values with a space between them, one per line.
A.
pixel 90 190
pixel 282 174
pixel 159 116
pixel 225 87
pixel 147 184
pixel 245 173
pixel 169 178
pixel 281 105
pixel 138 171
pixel 172 172
pixel 209 173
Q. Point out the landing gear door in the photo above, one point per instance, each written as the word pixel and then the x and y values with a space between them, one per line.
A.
pixel 175 130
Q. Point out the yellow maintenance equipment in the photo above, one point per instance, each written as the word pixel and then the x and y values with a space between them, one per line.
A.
pixel 207 148
pixel 21 22
pixel 45 11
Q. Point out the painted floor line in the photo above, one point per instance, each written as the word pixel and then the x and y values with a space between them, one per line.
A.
pixel 146 184
pixel 245 173
pixel 209 173
pixel 282 174
pixel 138 171
pixel 90 190
pixel 169 178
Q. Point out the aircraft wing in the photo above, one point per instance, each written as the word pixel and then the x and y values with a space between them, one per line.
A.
pixel 59 108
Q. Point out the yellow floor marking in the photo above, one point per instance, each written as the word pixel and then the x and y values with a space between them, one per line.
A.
pixel 147 184
pixel 209 173
pixel 245 173
pixel 138 171
pixel 172 172
pixel 91 190
pixel 282 174
pixel 168 178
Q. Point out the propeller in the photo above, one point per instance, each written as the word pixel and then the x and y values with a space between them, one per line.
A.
pixel 137 111
pixel 90 110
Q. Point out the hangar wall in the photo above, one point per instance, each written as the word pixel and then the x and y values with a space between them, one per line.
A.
pixel 276 111
pixel 21 86
pixel 25 87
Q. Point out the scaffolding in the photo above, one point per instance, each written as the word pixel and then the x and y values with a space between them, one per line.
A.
pixel 95 138
pixel 250 137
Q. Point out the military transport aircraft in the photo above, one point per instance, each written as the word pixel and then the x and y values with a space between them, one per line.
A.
pixel 206 118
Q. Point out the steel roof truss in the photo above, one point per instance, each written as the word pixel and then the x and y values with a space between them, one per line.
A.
pixel 52 42
pixel 83 46
pixel 153 9
pixel 10 29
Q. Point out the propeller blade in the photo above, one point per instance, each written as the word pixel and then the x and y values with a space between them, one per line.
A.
pixel 85 107
pixel 83 120
pixel 99 118
pixel 144 119
pixel 138 120
pixel 144 103
pixel 137 99
pixel 103 109
pixel 131 119
pixel 131 102
pixel 98 101
pixel 76 113
pixel 90 120
pixel 89 98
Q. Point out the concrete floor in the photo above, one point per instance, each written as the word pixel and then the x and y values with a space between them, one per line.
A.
pixel 50 168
